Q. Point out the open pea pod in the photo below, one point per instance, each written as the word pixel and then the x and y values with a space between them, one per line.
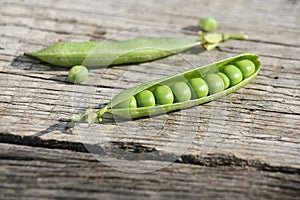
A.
pixel 93 54
pixel 201 72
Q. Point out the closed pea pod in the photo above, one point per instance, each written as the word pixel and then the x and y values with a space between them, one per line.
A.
pixel 92 54
pixel 207 73
pixel 107 53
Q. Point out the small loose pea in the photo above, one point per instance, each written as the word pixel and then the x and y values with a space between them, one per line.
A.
pixel 199 88
pixel 181 92
pixel 208 24
pixel 215 83
pixel 233 73
pixel 129 103
pixel 78 74
pixel 163 95
pixel 247 67
pixel 145 99
pixel 225 80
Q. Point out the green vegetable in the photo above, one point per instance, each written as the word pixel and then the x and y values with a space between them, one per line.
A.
pixel 198 87
pixel 78 74
pixel 215 83
pixel 128 103
pixel 246 66
pixel 177 83
pixel 208 24
pixel 181 91
pixel 226 80
pixel 145 99
pixel 93 54
pixel 233 73
pixel 163 95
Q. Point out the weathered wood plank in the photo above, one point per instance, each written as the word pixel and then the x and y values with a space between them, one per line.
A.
pixel 255 22
pixel 38 173
pixel 259 122
pixel 254 131
pixel 266 126
pixel 243 146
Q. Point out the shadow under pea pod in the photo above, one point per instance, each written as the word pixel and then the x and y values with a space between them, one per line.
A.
pixel 23 62
pixel 59 74
pixel 190 29
pixel 63 126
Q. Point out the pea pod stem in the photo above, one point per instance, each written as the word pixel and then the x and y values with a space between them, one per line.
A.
pixel 212 40
pixel 101 112
pixel 234 37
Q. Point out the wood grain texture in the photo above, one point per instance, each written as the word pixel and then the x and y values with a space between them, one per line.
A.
pixel 38 173
pixel 255 129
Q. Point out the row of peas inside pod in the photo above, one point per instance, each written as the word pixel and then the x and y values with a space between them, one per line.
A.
pixel 195 88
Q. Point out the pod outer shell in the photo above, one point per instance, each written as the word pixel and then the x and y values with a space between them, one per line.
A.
pixel 201 71
pixel 93 54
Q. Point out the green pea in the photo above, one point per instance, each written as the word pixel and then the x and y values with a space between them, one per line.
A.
pixel 225 80
pixel 78 74
pixel 233 73
pixel 199 88
pixel 181 92
pixel 129 103
pixel 145 99
pixel 208 24
pixel 215 83
pixel 247 67
pixel 163 95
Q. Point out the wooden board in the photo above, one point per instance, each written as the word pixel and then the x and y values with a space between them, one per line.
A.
pixel 42 173
pixel 255 129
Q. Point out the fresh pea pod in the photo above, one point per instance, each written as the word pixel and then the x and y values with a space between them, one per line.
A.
pixel 199 74
pixel 92 54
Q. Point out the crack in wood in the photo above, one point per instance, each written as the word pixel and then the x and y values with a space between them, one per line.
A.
pixel 229 50
pixel 232 160
pixel 211 160
pixel 274 43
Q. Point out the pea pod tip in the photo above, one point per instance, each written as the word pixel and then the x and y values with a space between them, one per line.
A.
pixel 30 54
